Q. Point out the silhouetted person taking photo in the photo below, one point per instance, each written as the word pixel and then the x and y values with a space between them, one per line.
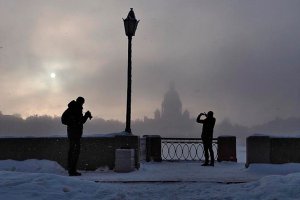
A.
pixel 74 119
pixel 207 136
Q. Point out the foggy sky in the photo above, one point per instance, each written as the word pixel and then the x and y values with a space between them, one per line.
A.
pixel 238 58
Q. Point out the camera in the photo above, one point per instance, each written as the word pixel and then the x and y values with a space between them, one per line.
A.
pixel 89 114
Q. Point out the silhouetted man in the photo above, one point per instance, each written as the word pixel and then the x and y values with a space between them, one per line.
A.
pixel 207 136
pixel 74 119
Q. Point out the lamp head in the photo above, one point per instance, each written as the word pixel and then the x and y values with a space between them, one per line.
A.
pixel 130 23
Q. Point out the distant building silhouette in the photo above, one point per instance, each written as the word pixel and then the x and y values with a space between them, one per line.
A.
pixel 170 120
pixel 157 115
pixel 171 107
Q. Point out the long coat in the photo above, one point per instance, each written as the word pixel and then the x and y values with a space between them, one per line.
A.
pixel 75 120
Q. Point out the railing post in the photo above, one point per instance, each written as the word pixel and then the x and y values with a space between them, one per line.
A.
pixel 153 148
pixel 227 148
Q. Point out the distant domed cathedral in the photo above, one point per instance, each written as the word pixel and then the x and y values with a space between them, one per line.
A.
pixel 171 107
pixel 170 119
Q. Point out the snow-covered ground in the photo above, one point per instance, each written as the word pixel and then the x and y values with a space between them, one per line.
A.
pixel 42 179
pixel 241 153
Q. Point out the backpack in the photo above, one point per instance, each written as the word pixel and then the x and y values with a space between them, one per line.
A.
pixel 65 117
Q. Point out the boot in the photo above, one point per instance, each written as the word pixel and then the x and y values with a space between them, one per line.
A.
pixel 75 173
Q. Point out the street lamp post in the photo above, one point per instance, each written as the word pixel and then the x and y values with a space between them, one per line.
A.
pixel 130 24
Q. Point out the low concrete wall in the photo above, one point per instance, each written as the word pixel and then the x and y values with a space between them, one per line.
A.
pixel 285 150
pixel 258 149
pixel 95 151
pixel 273 150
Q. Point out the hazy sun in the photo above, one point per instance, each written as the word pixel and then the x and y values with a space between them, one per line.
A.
pixel 52 75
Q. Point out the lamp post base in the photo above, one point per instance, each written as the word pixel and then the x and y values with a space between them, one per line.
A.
pixel 128 130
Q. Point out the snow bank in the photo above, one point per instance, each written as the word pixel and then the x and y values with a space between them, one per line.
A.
pixel 276 169
pixel 32 180
pixel 33 166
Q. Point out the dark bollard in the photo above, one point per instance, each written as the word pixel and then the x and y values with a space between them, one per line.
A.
pixel 148 148
pixel 153 148
pixel 227 148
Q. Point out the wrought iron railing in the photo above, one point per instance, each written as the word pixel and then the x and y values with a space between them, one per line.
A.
pixel 175 149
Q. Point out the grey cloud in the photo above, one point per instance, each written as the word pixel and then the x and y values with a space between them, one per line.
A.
pixel 239 58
